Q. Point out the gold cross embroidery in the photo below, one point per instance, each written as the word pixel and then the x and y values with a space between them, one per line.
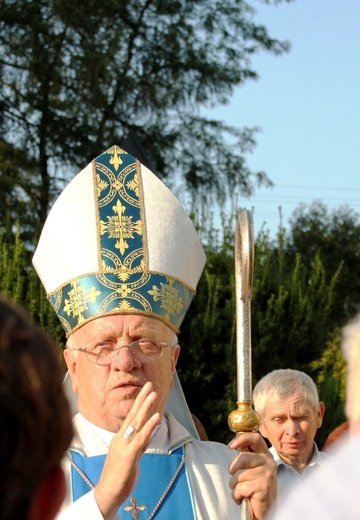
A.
pixel 78 298
pixel 134 508
pixel 121 227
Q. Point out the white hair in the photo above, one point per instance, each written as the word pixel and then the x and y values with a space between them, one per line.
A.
pixel 285 383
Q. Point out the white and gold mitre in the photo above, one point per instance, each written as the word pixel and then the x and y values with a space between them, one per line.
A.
pixel 117 241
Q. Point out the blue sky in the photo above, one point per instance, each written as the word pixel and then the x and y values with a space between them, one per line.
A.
pixel 307 103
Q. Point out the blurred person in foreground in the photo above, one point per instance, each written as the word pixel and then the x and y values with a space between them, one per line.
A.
pixel 334 491
pixel 35 420
pixel 120 261
pixel 291 413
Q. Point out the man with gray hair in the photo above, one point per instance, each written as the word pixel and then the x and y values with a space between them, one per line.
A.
pixel 333 491
pixel 291 413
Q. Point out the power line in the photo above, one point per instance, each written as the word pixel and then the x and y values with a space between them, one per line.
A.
pixel 323 188
pixel 295 200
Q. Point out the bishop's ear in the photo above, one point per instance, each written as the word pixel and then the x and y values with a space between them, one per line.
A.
pixel 71 363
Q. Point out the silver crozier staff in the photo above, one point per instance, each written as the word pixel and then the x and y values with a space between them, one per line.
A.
pixel 245 418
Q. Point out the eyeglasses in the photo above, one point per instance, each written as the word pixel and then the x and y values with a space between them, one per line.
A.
pixel 104 353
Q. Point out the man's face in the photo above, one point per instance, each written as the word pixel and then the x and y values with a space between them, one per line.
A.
pixel 107 393
pixel 290 425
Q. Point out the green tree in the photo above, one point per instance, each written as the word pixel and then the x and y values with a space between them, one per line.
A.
pixel 19 282
pixel 79 77
pixel 335 236
pixel 331 384
pixel 291 309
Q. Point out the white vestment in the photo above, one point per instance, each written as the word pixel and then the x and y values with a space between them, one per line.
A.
pixel 206 465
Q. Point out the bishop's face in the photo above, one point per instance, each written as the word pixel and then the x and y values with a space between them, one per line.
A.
pixel 107 393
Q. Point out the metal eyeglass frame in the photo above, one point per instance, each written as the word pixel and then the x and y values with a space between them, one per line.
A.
pixel 94 358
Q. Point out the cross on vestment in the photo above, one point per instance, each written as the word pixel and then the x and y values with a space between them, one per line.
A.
pixel 134 508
